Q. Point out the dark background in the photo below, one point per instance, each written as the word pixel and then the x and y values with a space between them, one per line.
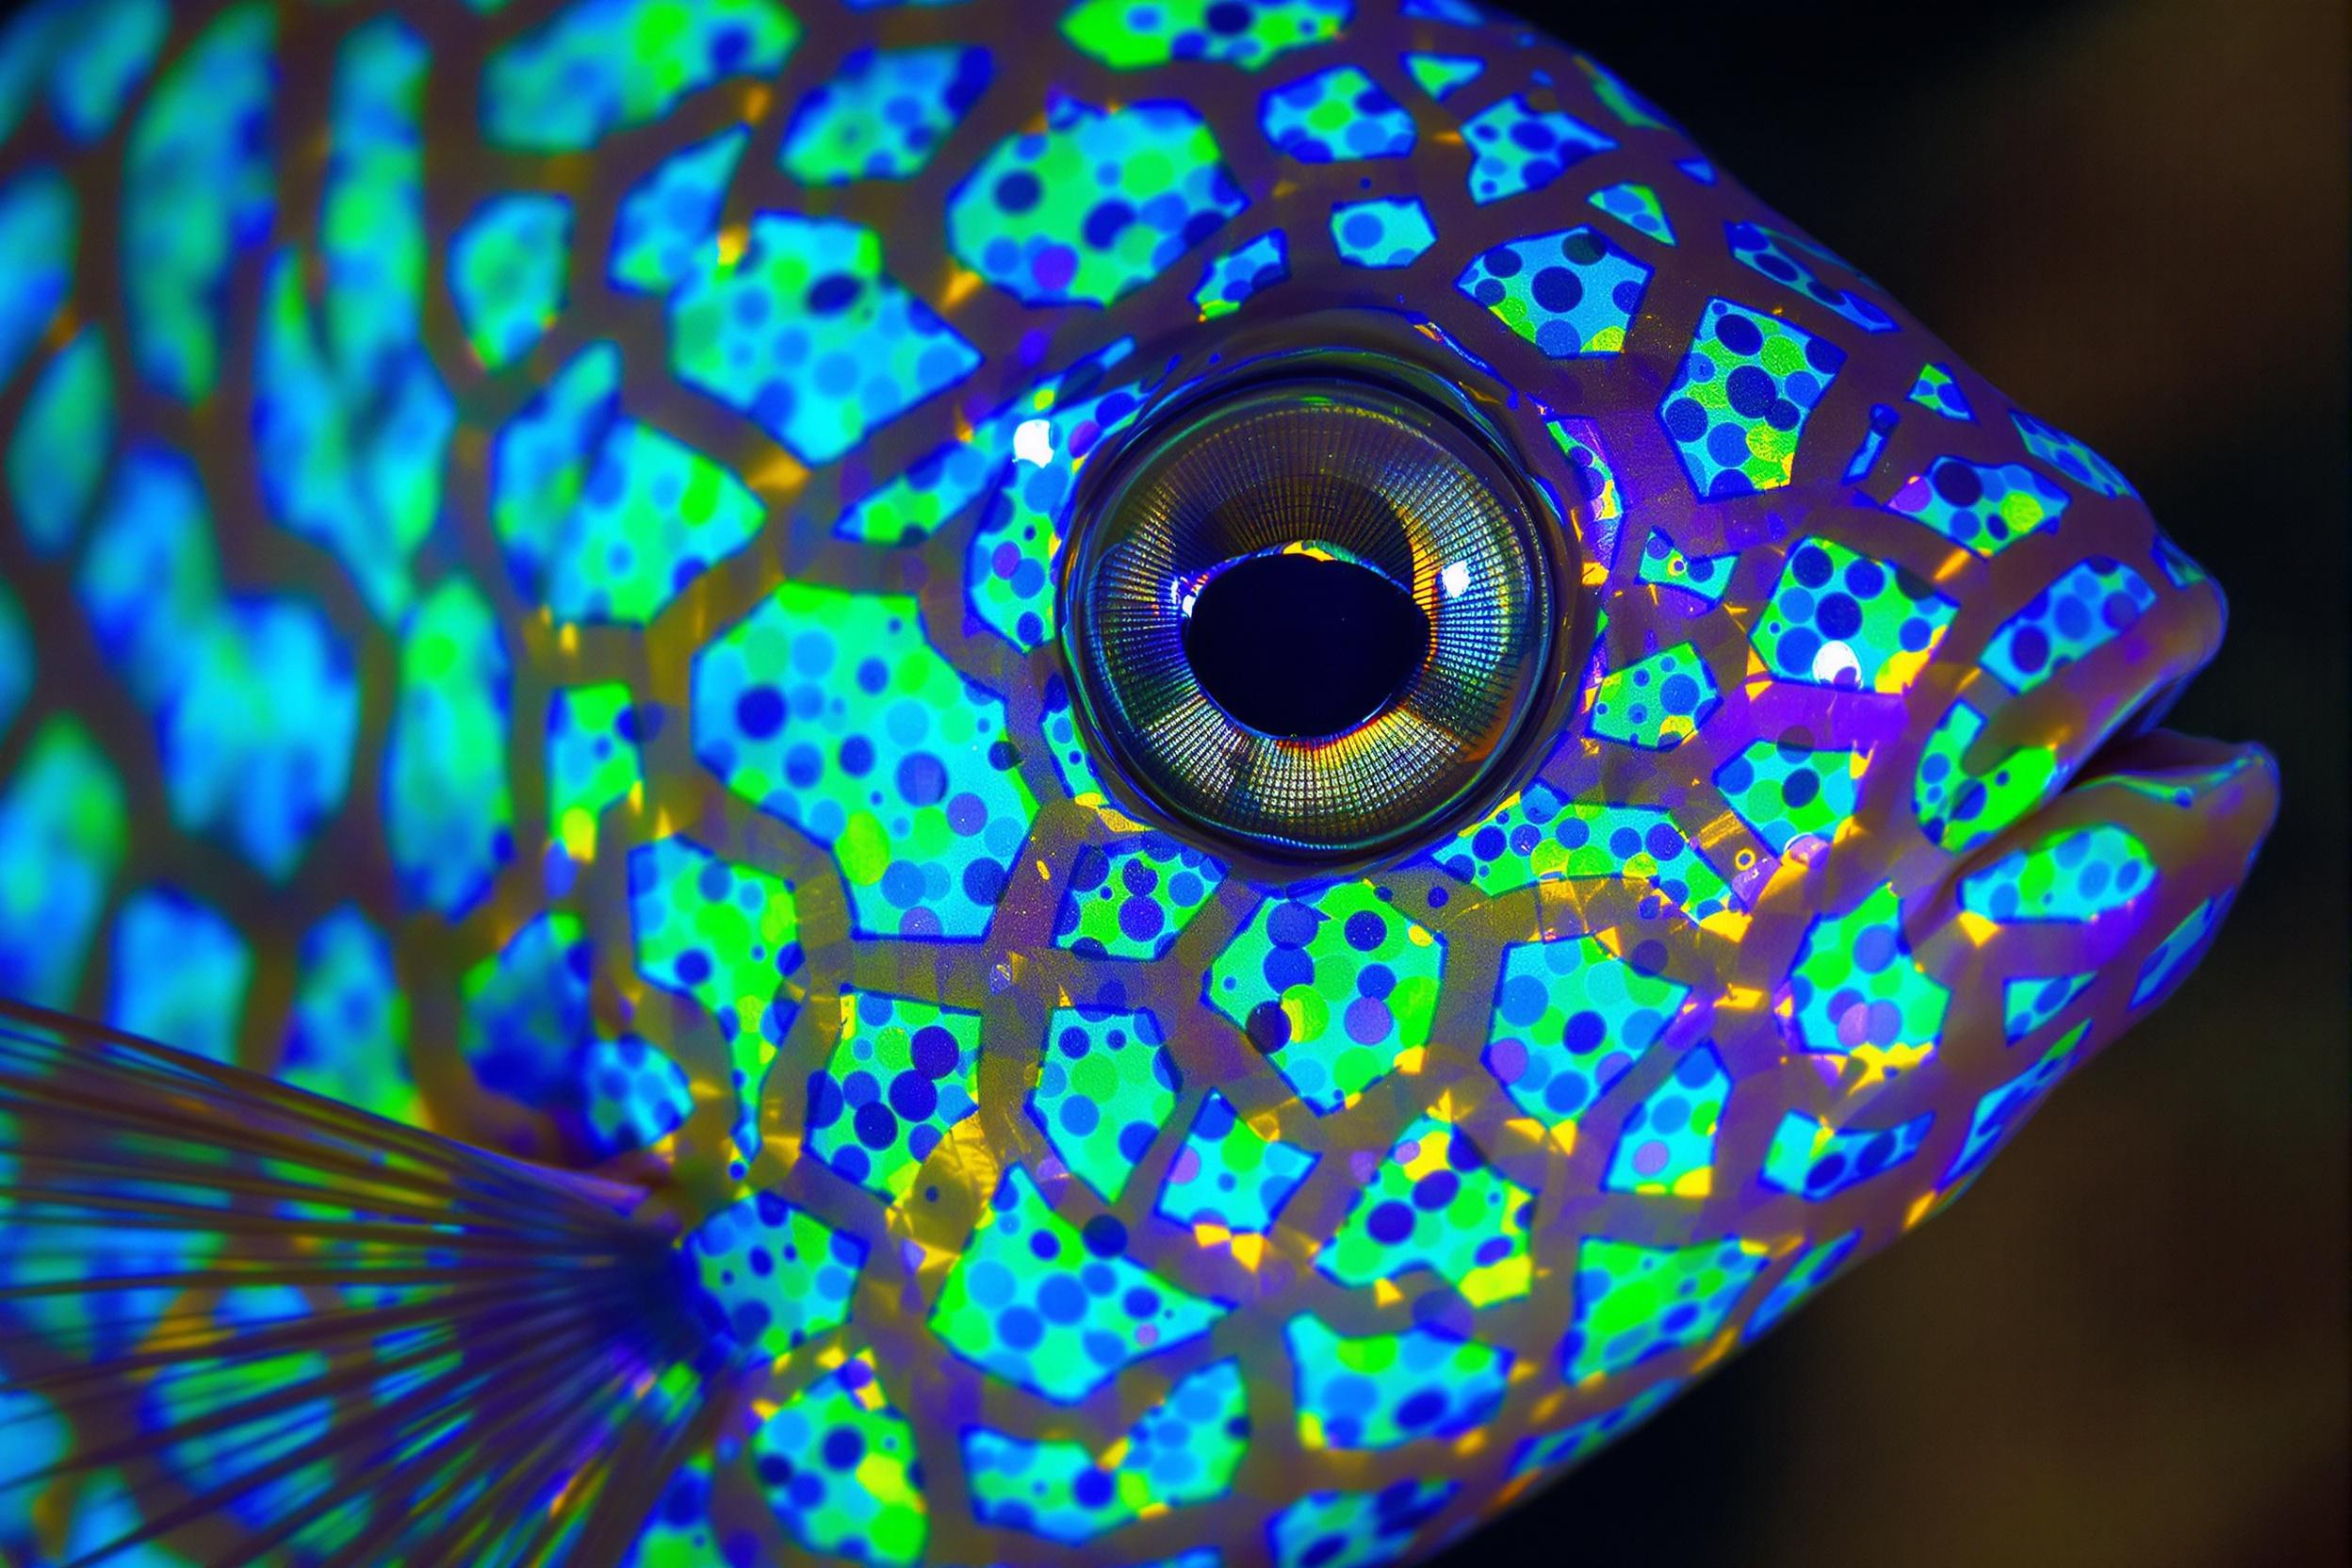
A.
pixel 2128 1345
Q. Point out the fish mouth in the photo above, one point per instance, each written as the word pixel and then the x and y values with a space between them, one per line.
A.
pixel 2185 769
pixel 2200 806
pixel 2139 846
pixel 2132 745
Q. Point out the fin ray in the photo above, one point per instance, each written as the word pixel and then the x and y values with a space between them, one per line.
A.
pixel 301 1332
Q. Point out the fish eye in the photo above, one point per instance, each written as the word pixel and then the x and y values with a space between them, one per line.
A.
pixel 1312 617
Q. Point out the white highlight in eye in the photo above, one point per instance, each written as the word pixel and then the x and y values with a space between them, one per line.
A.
pixel 1455 580
pixel 1836 665
pixel 1032 442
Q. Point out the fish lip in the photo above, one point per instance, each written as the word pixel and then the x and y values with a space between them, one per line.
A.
pixel 2154 751
pixel 2137 721
pixel 2228 790
pixel 2186 631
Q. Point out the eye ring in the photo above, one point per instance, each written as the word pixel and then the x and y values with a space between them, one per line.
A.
pixel 1355 472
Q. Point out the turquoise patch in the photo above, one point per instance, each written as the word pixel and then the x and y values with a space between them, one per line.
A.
pixel 1094 207
pixel 1247 270
pixel 506 273
pixel 58 456
pixel 64 827
pixel 1335 116
pixel 40 229
pixel 179 974
pixel 526 1024
pixel 1570 1019
pixel 1388 231
pixel 806 335
pixel 1987 507
pixel 1819 1161
pixel 2075 876
pixel 1227 1175
pixel 347 1036
pixel 2095 603
pixel 1776 256
pixel 1738 406
pixel 883 115
pixel 449 811
pixel 1105 1085
pixel 600 66
pixel 1516 148
pixel 831 711
pixel 1659 702
pixel 1059 1311
pixel 197 189
pixel 902 1075
pixel 1570 294
pixel 2028 1004
pixel 1184 1451
pixel 1383 1390
pixel 670 218
pixel 2069 456
pixel 1637 208
pixel 770 1278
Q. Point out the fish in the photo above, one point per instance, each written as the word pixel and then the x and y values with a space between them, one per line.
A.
pixel 1166 782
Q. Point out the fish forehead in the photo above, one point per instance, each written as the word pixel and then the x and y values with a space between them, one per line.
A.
pixel 1523 209
pixel 564 646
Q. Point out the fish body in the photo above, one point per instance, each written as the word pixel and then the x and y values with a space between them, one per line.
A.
pixel 546 598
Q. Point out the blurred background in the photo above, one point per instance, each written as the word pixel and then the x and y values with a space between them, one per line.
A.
pixel 2128 1345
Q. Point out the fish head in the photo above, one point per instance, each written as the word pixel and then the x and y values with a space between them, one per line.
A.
pixel 1614 766
pixel 1698 525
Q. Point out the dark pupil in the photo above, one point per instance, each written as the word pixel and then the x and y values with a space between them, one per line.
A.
pixel 1298 645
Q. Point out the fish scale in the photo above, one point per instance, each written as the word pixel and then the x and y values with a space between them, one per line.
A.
pixel 542 545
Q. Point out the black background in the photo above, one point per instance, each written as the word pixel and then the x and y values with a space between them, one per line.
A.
pixel 2128 1345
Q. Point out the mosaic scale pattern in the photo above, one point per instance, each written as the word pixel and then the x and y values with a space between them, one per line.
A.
pixel 560 648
